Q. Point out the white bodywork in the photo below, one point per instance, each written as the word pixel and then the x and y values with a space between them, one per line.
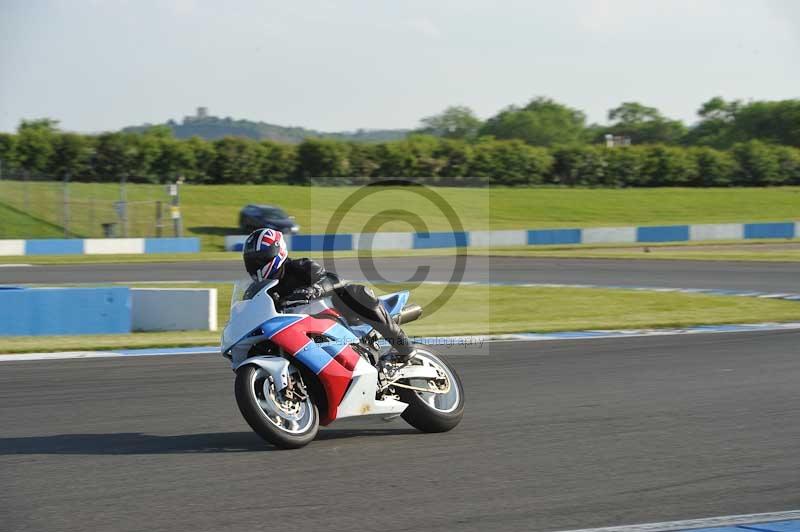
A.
pixel 360 398
pixel 248 314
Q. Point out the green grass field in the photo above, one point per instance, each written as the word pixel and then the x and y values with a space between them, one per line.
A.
pixel 211 211
pixel 16 224
pixel 483 309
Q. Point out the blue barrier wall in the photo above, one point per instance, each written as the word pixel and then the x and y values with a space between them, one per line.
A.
pixel 773 230
pixel 171 245
pixel 342 242
pixel 440 240
pixel 53 311
pixel 54 246
pixel 90 246
pixel 666 233
pixel 540 237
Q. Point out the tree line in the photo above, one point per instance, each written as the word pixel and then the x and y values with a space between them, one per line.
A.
pixel 734 144
pixel 545 122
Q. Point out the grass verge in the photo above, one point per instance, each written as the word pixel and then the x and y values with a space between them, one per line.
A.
pixel 485 309
pixel 211 211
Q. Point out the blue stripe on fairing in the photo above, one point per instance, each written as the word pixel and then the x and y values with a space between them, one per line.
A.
pixel 313 357
pixel 440 240
pixel 333 348
pixel 769 230
pixel 278 323
pixel 341 333
pixel 666 233
pixel 554 236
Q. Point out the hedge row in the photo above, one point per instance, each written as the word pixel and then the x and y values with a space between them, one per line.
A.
pixel 158 158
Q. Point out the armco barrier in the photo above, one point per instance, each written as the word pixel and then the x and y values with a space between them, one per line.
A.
pixel 534 237
pixel 94 246
pixel 174 309
pixel 54 311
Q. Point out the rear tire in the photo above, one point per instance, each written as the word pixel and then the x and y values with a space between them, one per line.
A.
pixel 421 413
pixel 249 391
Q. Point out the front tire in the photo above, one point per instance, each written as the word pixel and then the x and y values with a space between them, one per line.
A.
pixel 288 424
pixel 433 412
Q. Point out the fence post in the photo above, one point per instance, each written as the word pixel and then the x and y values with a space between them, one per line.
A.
pixel 123 200
pixel 65 205
pixel 176 207
pixel 91 216
pixel 26 193
pixel 159 219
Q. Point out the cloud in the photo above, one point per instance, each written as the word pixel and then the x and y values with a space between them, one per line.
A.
pixel 425 26
pixel 183 7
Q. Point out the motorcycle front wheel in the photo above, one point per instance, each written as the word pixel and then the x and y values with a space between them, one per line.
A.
pixel 285 421
pixel 441 408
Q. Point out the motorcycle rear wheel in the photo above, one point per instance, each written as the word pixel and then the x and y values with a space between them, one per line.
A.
pixel 285 424
pixel 433 412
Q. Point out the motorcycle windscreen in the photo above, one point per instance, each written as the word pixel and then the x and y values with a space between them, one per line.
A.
pixel 250 307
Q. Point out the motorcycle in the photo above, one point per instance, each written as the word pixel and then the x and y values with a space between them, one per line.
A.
pixel 300 364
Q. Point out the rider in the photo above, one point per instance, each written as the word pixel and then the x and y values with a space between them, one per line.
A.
pixel 266 257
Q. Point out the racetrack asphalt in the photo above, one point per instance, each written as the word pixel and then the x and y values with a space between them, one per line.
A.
pixel 557 435
pixel 757 276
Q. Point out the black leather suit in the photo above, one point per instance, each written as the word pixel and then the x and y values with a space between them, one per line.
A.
pixel 352 300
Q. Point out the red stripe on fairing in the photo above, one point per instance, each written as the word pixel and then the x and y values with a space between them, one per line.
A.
pixel 336 375
pixel 348 358
pixel 294 337
pixel 335 379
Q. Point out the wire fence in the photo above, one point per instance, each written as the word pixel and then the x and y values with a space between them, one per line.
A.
pixel 42 207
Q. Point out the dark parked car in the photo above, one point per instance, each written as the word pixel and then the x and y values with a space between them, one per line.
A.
pixel 253 217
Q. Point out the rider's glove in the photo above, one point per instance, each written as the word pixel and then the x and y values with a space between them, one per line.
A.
pixel 308 292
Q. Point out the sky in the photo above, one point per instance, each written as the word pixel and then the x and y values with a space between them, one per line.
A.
pixel 331 65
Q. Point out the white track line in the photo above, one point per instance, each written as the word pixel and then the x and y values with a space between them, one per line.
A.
pixel 449 341
pixel 709 522
pixel 57 356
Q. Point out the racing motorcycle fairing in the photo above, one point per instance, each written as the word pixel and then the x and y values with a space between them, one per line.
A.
pixel 394 302
pixel 316 339
pixel 322 346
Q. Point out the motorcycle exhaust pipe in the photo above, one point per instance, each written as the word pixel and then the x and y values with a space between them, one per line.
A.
pixel 408 314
